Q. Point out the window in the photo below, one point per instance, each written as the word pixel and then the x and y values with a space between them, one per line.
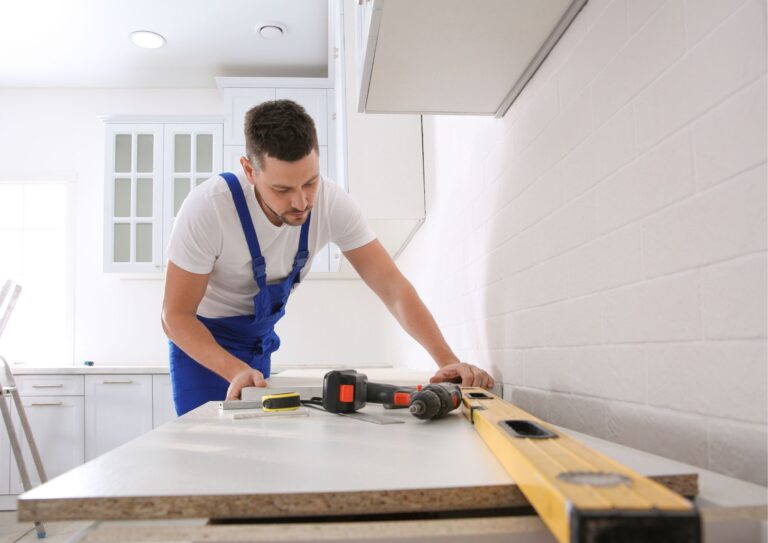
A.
pixel 36 252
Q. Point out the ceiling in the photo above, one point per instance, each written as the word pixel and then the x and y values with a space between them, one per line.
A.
pixel 85 43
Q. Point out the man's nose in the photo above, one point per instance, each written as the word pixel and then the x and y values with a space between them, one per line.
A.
pixel 300 202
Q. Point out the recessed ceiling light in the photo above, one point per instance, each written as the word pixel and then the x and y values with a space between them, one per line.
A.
pixel 147 39
pixel 270 31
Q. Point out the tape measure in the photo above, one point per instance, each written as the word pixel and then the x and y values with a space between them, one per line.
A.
pixel 287 401
pixel 581 495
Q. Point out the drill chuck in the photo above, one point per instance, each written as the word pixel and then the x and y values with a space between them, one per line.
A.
pixel 435 401
pixel 425 405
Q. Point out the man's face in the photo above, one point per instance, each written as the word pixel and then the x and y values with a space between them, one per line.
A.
pixel 286 191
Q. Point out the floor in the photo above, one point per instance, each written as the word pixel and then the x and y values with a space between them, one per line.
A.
pixel 12 531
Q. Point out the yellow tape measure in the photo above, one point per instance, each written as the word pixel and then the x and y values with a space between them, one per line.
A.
pixel 581 495
pixel 287 401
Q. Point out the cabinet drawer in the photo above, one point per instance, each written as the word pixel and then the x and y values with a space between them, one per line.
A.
pixel 50 385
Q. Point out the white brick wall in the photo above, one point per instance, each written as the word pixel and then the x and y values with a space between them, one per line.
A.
pixel 602 249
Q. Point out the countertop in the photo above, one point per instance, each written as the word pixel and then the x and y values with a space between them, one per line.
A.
pixel 88 370
pixel 393 375
pixel 208 464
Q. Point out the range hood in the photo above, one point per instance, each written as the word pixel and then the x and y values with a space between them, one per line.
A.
pixel 453 56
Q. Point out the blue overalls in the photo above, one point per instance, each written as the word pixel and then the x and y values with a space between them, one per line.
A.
pixel 251 338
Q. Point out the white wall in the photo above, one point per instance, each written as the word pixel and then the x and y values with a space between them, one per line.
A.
pixel 602 248
pixel 117 321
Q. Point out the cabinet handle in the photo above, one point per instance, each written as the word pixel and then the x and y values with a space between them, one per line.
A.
pixel 47 386
pixel 128 382
pixel 40 404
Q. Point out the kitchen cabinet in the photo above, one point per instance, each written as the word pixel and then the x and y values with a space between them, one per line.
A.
pixel 314 95
pixel 453 56
pixel 118 408
pixel 57 425
pixel 121 407
pixel 151 165
pixel 54 405
pixel 133 195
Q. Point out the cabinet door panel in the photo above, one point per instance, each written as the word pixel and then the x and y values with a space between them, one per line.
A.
pixel 192 154
pixel 162 401
pixel 118 408
pixel 132 198
pixel 237 102
pixel 57 426
pixel 315 102
pixel 232 154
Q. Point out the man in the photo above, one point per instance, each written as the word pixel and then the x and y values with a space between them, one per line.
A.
pixel 241 243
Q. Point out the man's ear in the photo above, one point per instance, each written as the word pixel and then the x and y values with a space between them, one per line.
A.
pixel 246 164
pixel 250 172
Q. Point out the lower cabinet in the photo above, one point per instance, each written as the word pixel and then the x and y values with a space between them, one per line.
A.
pixel 57 426
pixel 75 418
pixel 118 408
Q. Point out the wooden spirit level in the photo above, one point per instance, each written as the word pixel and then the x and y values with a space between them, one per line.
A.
pixel 581 495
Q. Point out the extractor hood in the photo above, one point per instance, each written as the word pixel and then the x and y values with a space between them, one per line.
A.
pixel 453 56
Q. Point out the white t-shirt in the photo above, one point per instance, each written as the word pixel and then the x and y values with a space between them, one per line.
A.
pixel 207 238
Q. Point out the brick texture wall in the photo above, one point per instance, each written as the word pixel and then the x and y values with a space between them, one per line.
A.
pixel 602 248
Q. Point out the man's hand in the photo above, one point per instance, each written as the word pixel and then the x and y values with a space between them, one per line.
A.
pixel 245 378
pixel 466 374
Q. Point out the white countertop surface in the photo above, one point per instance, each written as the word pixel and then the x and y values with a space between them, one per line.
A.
pixel 389 375
pixel 209 455
pixel 88 370
pixel 207 452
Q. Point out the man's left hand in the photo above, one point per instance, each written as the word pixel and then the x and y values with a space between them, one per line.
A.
pixel 466 374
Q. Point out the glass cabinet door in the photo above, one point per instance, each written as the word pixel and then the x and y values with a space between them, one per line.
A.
pixel 193 154
pixel 132 238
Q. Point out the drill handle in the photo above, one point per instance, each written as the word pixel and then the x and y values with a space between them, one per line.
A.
pixel 392 396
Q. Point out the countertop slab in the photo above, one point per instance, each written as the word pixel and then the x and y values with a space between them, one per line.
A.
pixel 388 375
pixel 89 370
pixel 208 464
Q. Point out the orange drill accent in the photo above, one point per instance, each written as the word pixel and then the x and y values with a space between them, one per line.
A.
pixel 402 398
pixel 347 393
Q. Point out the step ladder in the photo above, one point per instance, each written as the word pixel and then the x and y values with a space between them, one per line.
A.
pixel 8 298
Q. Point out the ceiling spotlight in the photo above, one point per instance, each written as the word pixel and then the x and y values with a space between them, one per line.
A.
pixel 147 39
pixel 270 31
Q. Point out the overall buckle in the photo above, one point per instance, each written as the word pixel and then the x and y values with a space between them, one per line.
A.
pixel 259 266
pixel 301 258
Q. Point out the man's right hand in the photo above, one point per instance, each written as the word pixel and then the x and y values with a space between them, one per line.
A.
pixel 246 378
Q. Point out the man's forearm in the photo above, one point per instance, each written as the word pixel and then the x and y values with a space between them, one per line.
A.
pixel 416 319
pixel 192 337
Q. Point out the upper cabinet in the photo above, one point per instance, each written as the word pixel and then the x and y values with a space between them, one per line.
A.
pixel 151 165
pixel 317 96
pixel 453 56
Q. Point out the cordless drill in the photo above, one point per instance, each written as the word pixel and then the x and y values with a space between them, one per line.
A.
pixel 346 391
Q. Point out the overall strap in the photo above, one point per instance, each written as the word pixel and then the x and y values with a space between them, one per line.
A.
pixel 302 255
pixel 258 263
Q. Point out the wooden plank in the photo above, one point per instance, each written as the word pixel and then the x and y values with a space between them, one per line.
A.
pixel 207 465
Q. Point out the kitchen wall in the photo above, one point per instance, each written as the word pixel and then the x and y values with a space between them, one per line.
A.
pixel 55 133
pixel 602 248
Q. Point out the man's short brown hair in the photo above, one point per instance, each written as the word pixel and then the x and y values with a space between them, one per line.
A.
pixel 281 129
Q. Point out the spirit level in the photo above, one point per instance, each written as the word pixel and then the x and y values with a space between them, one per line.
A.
pixel 581 495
